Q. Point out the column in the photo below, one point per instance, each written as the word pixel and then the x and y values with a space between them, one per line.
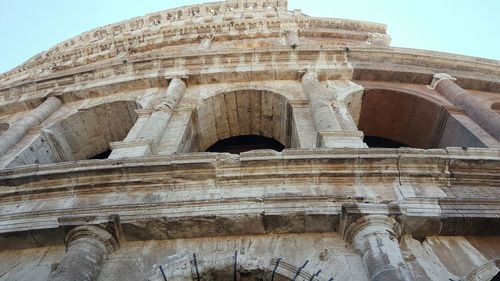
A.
pixel 146 138
pixel 330 132
pixel 376 238
pixel 484 116
pixel 86 249
pixel 20 128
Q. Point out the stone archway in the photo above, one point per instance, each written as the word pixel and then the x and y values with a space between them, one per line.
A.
pixel 414 120
pixel 81 135
pixel 88 132
pixel 241 113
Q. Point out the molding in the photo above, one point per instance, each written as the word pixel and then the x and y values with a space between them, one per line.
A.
pixel 92 232
pixel 438 77
pixel 384 223
pixel 134 143
pixel 485 272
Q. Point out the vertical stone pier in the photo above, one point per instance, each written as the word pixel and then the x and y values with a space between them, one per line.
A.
pixel 19 129
pixel 329 128
pixel 376 238
pixel 148 133
pixel 87 248
pixel 484 116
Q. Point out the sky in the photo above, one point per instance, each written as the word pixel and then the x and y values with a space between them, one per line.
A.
pixel 468 27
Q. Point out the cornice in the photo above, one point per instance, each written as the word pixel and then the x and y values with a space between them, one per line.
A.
pixel 274 63
pixel 306 185
pixel 159 30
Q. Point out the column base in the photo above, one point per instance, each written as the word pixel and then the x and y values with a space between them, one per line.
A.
pixel 340 139
pixel 135 148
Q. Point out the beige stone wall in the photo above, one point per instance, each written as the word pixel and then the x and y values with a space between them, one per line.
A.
pixel 158 90
pixel 436 258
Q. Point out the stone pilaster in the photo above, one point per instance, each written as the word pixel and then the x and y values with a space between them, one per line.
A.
pixel 86 249
pixel 19 129
pixel 148 133
pixel 331 133
pixel 290 32
pixel 478 111
pixel 206 41
pixel 376 238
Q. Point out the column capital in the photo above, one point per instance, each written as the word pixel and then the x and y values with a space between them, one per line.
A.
pixel 308 70
pixel 143 113
pixel 375 224
pixel 181 77
pixel 438 77
pixel 87 231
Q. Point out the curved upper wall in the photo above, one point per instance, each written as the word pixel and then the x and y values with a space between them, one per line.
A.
pixel 225 21
pixel 259 38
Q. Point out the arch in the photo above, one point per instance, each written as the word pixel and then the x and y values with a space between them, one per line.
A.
pixel 496 107
pixel 257 87
pixel 283 271
pixel 89 131
pixel 239 144
pixel 413 119
pixel 81 135
pixel 241 113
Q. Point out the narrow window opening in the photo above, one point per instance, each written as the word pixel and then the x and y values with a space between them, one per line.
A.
pixel 380 142
pixel 239 144
pixel 102 155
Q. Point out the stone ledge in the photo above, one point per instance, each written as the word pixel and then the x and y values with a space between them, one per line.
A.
pixel 272 219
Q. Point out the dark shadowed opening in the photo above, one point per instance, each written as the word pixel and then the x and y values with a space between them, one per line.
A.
pixel 496 107
pixel 102 155
pixel 241 144
pixel 496 278
pixel 218 274
pixel 372 141
pixel 414 120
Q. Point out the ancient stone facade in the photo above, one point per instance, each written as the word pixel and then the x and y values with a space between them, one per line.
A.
pixel 390 168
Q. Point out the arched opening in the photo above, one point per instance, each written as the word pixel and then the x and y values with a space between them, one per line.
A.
pixel 239 144
pixel 85 134
pixel 400 118
pixel 217 274
pixel 395 119
pixel 102 155
pixel 381 142
pixel 240 121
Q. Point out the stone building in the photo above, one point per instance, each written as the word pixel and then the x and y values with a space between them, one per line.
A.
pixel 349 159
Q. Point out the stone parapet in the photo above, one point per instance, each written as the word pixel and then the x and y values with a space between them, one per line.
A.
pixel 227 189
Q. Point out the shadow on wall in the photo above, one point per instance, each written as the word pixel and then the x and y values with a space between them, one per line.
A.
pixel 393 119
pixel 239 144
pixel 83 135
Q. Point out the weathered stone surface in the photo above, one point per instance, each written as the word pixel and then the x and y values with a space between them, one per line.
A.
pixel 155 92
pixel 87 248
pixel 376 238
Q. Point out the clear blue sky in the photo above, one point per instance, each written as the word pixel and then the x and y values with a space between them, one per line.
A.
pixel 469 27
